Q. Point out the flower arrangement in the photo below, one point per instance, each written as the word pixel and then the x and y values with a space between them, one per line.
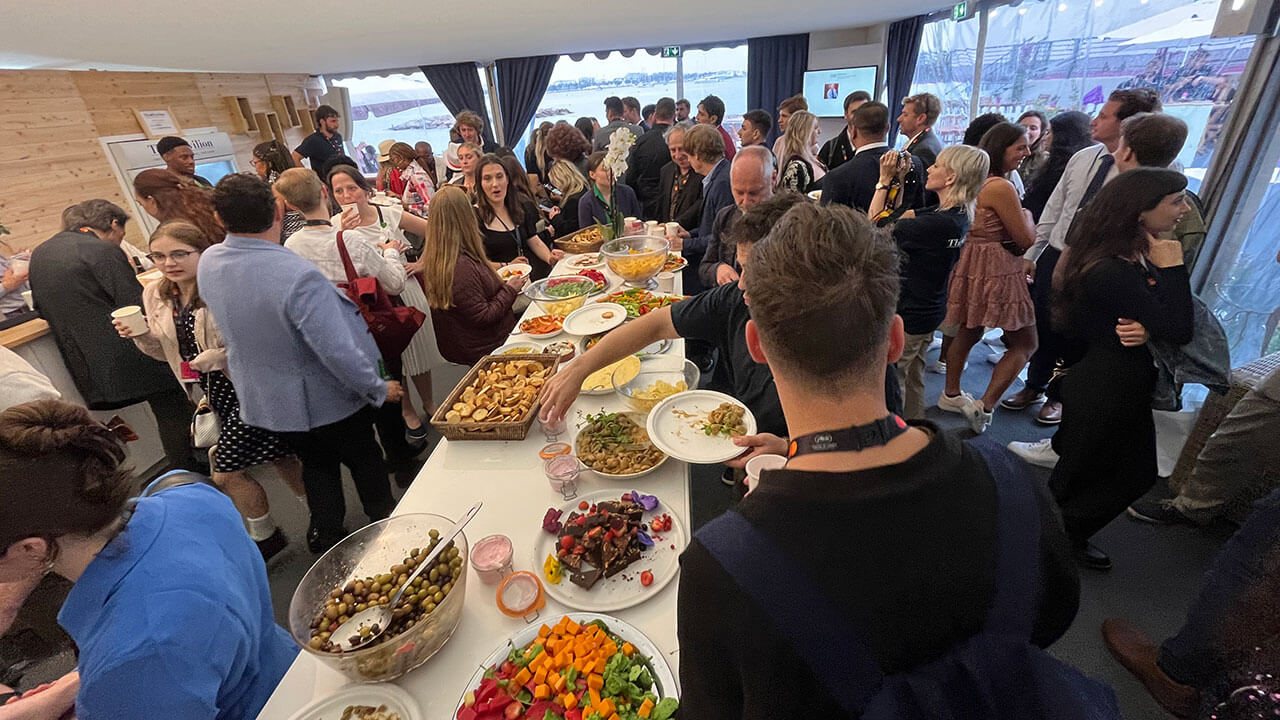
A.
pixel 616 161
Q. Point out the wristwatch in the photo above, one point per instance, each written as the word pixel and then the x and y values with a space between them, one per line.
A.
pixel 881 186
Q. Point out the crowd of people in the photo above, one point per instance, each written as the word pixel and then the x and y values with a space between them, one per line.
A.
pixel 818 280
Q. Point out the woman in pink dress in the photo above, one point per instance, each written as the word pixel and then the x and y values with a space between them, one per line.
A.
pixel 989 284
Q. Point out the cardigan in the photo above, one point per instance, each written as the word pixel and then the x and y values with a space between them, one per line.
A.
pixel 479 317
pixel 162 342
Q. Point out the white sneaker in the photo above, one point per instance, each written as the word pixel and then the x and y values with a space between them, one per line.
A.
pixel 955 404
pixel 939 367
pixel 935 343
pixel 979 419
pixel 1039 452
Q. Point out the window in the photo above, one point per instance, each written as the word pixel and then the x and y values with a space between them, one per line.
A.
pixel 948 51
pixel 578 87
pixel 396 107
pixel 1070 54
pixel 721 72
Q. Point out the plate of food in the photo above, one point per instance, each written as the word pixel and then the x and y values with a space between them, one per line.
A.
pixel 602 282
pixel 675 263
pixel 640 302
pixel 616 446
pixel 518 347
pixel 600 382
pixel 698 426
pixel 506 272
pixel 608 549
pixel 566 349
pixel 543 326
pixel 634 678
pixel 595 318
pixel 585 261
pixel 382 701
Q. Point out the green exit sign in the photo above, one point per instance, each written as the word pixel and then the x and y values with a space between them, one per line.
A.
pixel 671 51
pixel 960 11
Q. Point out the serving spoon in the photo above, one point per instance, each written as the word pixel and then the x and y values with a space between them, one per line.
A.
pixel 349 636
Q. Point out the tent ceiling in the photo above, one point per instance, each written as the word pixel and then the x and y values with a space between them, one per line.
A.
pixel 327 36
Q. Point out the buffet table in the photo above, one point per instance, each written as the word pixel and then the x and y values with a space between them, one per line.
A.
pixel 508 478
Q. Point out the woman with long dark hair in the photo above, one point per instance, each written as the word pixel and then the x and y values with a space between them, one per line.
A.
pixel 602 189
pixel 269 160
pixel 1069 133
pixel 513 231
pixel 1116 270
pixel 1038 137
pixel 166 196
pixel 989 284
pixel 181 332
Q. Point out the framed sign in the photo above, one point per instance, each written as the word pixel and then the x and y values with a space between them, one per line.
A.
pixel 157 123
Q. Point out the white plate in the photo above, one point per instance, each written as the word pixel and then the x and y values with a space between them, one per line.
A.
pixel 396 699
pixel 590 319
pixel 524 269
pixel 684 263
pixel 602 299
pixel 638 419
pixel 583 261
pixel 536 347
pixel 676 435
pixel 656 348
pixel 665 681
pixel 624 589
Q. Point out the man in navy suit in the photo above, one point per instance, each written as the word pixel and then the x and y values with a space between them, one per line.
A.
pixel 706 155
pixel 854 182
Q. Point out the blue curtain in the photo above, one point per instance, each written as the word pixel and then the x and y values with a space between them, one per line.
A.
pixel 902 49
pixel 459 88
pixel 521 84
pixel 775 71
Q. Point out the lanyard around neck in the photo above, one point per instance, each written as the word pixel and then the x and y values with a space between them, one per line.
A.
pixel 850 439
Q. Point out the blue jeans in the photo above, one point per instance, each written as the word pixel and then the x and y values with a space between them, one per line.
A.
pixel 1193 656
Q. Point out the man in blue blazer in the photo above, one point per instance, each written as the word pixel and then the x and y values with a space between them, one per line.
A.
pixel 302 358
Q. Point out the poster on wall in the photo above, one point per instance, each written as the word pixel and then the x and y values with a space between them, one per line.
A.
pixel 157 123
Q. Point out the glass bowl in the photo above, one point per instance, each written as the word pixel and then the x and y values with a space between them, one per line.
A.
pixel 573 291
pixel 372 551
pixel 640 393
pixel 637 259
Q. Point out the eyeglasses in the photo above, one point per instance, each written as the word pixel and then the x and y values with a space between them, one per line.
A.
pixel 176 256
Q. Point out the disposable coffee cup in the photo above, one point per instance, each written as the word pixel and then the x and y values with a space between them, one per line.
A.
pixel 31 302
pixel 352 207
pixel 759 463
pixel 132 317
pixel 673 229
pixel 651 227
pixel 19 266
pixel 666 282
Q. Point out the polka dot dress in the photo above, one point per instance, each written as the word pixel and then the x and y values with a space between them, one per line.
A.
pixel 239 445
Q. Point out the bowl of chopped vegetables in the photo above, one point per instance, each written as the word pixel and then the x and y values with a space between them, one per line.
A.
pixel 637 259
pixel 660 377
pixel 560 295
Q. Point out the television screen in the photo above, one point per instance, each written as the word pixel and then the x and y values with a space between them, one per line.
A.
pixel 826 89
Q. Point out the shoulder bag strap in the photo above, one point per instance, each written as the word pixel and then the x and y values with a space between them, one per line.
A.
pixel 347 265
pixel 817 631
pixel 1017 599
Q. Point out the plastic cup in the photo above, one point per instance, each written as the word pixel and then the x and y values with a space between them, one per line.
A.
pixel 31 303
pixel 762 462
pixel 132 317
pixel 666 282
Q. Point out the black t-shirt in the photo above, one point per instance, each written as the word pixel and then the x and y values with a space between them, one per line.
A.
pixel 907 551
pixel 930 244
pixel 317 148
pixel 720 316
pixel 506 245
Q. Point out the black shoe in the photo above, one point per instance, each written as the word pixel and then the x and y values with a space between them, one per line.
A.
pixel 1091 557
pixel 272 545
pixel 416 438
pixel 405 476
pixel 319 542
pixel 1158 512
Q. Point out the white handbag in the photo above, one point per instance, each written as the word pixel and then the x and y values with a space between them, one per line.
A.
pixel 205 426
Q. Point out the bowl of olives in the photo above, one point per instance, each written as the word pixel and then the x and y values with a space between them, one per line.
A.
pixel 368 567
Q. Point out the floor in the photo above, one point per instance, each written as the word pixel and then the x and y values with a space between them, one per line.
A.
pixel 1157 572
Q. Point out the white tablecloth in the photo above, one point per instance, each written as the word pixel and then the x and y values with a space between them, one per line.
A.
pixel 508 478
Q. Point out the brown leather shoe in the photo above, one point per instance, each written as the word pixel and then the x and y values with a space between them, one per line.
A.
pixel 1024 398
pixel 1137 653
pixel 1050 413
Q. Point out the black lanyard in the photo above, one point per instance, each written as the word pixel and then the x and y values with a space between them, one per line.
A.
pixel 317 223
pixel 850 439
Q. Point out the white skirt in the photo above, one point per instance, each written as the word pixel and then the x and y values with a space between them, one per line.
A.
pixel 422 355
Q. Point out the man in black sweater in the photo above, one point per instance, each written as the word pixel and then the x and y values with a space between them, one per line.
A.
pixel 854 182
pixel 649 156
pixel 897 534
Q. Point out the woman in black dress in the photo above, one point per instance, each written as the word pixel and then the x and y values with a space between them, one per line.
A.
pixel 513 230
pixel 1116 273
pixel 181 332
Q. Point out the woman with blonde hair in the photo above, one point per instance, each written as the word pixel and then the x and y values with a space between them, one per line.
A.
pixel 470 304
pixel 800 167
pixel 181 332
pixel 468 155
pixel 564 176
pixel 929 241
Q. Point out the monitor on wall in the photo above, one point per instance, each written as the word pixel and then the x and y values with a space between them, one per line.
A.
pixel 826 89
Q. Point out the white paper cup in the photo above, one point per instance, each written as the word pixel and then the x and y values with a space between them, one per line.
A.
pixel 132 317
pixel 673 229
pixel 651 227
pixel 352 207
pixel 31 303
pixel 759 463
pixel 19 266
pixel 666 282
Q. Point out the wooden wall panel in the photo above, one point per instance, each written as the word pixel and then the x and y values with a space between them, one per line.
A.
pixel 50 156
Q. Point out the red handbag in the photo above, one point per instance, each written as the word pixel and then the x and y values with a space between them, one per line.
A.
pixel 392 323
